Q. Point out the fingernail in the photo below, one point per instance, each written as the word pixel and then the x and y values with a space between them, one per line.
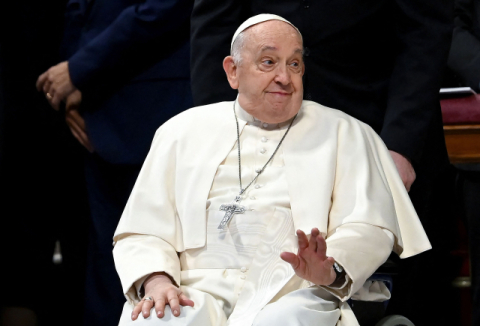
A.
pixel 160 313
pixel 175 312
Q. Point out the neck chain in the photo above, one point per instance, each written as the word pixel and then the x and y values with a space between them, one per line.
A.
pixel 235 208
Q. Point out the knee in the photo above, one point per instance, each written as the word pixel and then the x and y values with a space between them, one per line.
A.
pixel 276 313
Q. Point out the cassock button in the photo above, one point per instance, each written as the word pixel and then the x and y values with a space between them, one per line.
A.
pixel 263 150
pixel 253 198
pixel 257 186
pixel 243 269
pixel 264 139
pixel 265 125
pixel 243 277
pixel 258 170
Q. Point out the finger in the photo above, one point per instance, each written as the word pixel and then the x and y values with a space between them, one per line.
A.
pixel 75 134
pixel 79 134
pixel 74 125
pixel 174 302
pixel 312 243
pixel 291 258
pixel 160 307
pixel 40 81
pixel 46 86
pixel 147 306
pixel 78 118
pixel 302 239
pixel 55 102
pixel 185 301
pixel 71 121
pixel 328 263
pixel 136 310
pixel 321 247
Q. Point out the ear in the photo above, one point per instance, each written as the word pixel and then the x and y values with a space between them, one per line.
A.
pixel 231 71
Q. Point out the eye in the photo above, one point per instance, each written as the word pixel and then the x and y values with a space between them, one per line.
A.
pixel 295 64
pixel 267 62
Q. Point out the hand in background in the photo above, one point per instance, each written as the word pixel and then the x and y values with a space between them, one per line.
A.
pixel 75 121
pixel 311 262
pixel 56 84
pixel 162 291
pixel 405 169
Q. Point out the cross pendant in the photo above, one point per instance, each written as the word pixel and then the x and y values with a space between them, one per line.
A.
pixel 230 210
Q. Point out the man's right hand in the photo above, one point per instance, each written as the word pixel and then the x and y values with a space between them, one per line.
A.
pixel 160 288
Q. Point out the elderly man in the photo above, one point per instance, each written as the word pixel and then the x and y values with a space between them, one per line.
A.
pixel 208 234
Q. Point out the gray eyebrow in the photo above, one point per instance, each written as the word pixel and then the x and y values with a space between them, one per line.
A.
pixel 267 47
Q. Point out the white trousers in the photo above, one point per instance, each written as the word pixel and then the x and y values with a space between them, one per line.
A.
pixel 305 307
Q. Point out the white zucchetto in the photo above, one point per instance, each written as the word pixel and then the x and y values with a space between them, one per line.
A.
pixel 257 20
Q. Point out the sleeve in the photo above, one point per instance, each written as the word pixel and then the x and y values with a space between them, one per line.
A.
pixel 371 213
pixel 137 256
pixel 423 33
pixel 360 249
pixel 213 24
pixel 464 56
pixel 130 38
pixel 149 233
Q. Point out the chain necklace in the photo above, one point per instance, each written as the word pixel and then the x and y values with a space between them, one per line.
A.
pixel 235 207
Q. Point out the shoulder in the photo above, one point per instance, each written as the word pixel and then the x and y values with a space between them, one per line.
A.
pixel 326 118
pixel 197 120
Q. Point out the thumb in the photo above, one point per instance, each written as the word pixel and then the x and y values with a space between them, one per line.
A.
pixel 290 258
pixel 185 301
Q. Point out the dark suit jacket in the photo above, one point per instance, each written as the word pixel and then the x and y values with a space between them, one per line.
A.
pixel 464 57
pixel 378 60
pixel 130 59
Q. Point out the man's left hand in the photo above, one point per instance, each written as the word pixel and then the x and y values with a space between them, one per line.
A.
pixel 311 262
pixel 56 84
pixel 404 168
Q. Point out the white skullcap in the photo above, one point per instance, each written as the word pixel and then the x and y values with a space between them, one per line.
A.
pixel 257 20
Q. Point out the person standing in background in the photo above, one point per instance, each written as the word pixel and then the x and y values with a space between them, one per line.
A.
pixel 381 62
pixel 127 72
pixel 43 198
pixel 464 57
pixel 464 70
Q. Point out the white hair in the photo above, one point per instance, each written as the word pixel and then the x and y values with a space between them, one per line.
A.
pixel 237 48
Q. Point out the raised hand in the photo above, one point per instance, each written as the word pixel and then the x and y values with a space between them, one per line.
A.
pixel 311 262
pixel 160 291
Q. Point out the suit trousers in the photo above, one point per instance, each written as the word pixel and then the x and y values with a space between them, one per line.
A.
pixel 109 186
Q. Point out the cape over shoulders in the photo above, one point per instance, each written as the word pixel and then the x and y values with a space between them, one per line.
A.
pixel 201 121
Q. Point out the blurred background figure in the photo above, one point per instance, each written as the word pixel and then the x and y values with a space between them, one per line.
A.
pixel 464 70
pixel 381 62
pixel 127 71
pixel 464 57
pixel 43 198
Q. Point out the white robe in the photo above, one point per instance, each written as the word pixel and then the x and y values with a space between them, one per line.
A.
pixel 338 171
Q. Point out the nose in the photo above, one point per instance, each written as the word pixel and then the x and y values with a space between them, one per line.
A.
pixel 282 75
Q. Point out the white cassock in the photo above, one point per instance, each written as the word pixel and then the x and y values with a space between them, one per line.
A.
pixel 331 172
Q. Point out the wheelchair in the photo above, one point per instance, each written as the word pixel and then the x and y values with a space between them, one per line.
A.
pixel 372 313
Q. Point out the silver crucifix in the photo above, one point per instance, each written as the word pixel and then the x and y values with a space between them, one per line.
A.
pixel 230 209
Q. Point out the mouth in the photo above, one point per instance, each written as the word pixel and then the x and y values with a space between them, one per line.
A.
pixel 280 93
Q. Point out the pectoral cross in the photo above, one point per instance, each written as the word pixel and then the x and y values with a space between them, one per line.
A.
pixel 230 210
